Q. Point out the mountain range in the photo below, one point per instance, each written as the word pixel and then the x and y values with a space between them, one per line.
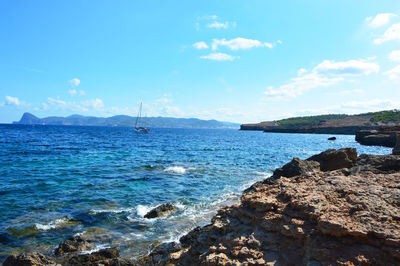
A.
pixel 123 120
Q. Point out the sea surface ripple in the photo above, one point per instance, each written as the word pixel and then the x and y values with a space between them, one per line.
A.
pixel 57 181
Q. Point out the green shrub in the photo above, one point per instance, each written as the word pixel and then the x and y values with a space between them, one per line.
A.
pixel 386 116
pixel 307 120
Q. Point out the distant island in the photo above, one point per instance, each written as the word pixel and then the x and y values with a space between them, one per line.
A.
pixel 124 120
pixel 330 124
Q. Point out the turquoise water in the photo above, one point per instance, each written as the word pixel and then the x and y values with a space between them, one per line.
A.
pixel 99 181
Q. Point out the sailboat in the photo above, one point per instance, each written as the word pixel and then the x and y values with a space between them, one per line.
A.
pixel 138 128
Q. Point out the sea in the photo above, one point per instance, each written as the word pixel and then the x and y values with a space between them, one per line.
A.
pixel 99 182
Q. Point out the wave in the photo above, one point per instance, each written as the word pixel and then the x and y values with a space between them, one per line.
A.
pixel 120 210
pixel 60 222
pixel 177 170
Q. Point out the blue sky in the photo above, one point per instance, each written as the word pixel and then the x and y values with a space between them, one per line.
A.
pixel 240 61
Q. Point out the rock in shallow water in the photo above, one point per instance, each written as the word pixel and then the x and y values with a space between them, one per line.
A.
pixel 74 244
pixel 161 211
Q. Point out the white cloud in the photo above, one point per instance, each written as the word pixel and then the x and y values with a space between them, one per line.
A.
pixel 353 107
pixel 239 44
pixel 351 67
pixel 393 73
pixel 395 56
pixel 301 71
pixel 218 25
pixel 74 82
pixel 323 75
pixel 162 101
pixel 84 106
pixel 349 92
pixel 93 104
pixel 219 57
pixel 58 102
pixel 208 17
pixel 72 92
pixel 297 86
pixel 200 45
pixel 13 101
pixel 380 19
pixel 393 33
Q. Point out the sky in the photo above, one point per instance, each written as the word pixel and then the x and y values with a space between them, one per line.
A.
pixel 237 61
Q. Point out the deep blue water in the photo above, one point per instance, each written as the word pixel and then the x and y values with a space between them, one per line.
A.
pixel 58 181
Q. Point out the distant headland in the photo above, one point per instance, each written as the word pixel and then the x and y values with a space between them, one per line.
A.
pixel 330 124
pixel 124 121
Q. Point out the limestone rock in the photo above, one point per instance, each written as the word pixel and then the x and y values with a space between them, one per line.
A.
pixel 347 216
pixel 161 211
pixel 296 167
pixel 106 257
pixel 335 159
pixel 29 259
pixel 74 244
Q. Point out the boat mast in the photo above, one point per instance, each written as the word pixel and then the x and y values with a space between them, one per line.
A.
pixel 139 114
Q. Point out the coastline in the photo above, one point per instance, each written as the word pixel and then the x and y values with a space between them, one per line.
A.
pixel 282 219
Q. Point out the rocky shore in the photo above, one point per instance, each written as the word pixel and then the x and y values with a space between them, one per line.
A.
pixel 382 136
pixel 335 208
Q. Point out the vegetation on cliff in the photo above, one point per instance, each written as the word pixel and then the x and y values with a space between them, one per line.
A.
pixel 307 120
pixel 392 116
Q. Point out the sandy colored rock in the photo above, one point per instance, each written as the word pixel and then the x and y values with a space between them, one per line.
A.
pixel 349 216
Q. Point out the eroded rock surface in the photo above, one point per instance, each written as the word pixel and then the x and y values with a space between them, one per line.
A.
pixel 160 211
pixel 346 216
pixel 29 259
pixel 74 244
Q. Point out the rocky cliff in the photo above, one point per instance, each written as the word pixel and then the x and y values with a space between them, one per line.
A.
pixel 332 209
pixel 329 124
pixel 382 136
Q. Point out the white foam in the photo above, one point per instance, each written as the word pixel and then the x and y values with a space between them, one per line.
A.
pixel 51 225
pixel 97 248
pixel 141 210
pixel 177 170
pixel 111 210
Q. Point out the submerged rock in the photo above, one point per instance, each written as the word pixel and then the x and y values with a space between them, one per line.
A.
pixel 74 244
pixel 28 259
pixel 346 216
pixel 161 211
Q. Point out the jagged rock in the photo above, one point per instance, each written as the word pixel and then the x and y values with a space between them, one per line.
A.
pixel 335 159
pixel 332 138
pixel 339 217
pixel 107 257
pixel 396 149
pixel 161 211
pixel 296 167
pixel 29 259
pixel 159 254
pixel 377 163
pixel 74 244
